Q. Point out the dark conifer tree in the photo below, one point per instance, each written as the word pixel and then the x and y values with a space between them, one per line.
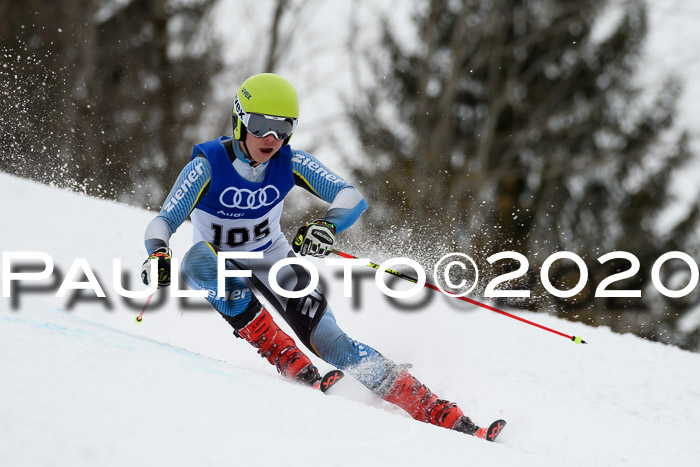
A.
pixel 517 125
pixel 108 92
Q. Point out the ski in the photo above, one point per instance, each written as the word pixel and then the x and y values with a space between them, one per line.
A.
pixel 329 380
pixel 494 430
pixel 467 426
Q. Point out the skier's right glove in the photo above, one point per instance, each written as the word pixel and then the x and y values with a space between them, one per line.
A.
pixel 163 256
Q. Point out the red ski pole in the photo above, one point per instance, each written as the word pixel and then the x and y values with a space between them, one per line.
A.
pixel 576 339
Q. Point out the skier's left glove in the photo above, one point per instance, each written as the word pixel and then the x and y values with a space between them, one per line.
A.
pixel 163 256
pixel 315 238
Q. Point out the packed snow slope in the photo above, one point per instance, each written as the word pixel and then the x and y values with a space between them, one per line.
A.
pixel 82 384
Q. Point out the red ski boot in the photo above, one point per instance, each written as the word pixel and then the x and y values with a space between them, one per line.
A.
pixel 416 399
pixel 279 349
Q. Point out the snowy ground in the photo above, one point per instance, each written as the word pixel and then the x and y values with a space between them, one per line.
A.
pixel 82 384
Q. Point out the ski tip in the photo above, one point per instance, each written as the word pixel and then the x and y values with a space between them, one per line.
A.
pixel 329 380
pixel 494 430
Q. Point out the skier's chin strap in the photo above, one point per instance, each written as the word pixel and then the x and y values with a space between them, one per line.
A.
pixel 241 153
pixel 246 153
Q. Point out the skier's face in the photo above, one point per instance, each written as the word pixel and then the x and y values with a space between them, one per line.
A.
pixel 262 149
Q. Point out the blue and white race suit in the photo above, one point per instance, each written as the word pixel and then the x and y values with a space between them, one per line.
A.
pixel 236 207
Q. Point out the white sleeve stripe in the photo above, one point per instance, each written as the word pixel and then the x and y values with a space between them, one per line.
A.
pixel 347 198
pixel 159 229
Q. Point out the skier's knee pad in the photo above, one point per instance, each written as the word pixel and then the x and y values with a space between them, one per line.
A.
pixel 335 347
pixel 199 266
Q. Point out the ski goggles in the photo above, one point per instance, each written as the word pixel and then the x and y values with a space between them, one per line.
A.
pixel 260 125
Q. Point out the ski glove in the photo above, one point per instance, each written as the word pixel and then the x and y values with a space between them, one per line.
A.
pixel 163 256
pixel 315 239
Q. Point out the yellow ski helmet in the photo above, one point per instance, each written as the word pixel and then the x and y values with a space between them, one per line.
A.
pixel 265 104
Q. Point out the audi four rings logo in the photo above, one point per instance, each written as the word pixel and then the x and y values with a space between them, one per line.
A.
pixel 243 198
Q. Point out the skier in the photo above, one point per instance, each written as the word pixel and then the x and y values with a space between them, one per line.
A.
pixel 233 189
